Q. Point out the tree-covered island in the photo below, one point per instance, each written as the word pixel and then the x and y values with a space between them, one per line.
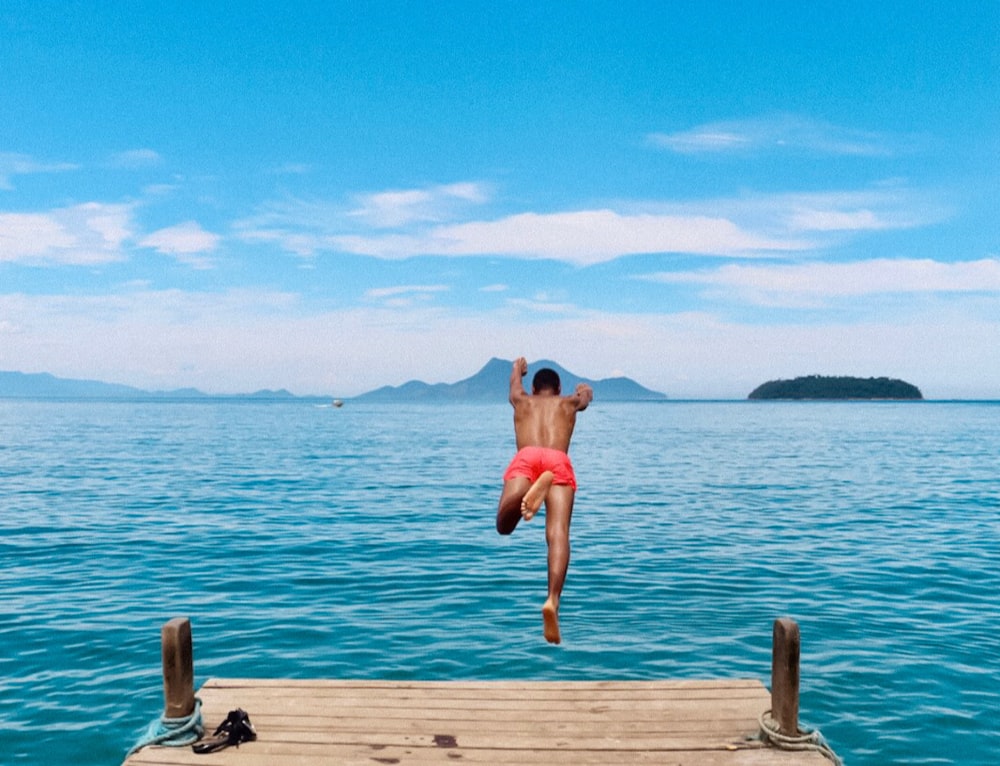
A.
pixel 836 387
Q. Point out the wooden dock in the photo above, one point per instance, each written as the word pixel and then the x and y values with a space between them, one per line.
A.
pixel 499 723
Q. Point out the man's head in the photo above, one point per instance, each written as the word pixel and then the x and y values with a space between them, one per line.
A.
pixel 546 380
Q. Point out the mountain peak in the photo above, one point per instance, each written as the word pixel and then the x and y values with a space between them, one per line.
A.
pixel 491 384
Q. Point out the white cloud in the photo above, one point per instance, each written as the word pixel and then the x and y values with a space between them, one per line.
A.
pixel 543 304
pixel 394 208
pixel 777 132
pixel 404 296
pixel 886 206
pixel 110 222
pixel 136 158
pixel 581 237
pixel 749 225
pixel 391 292
pixel 12 164
pixel 183 239
pixel 813 284
pixel 28 236
pixel 304 244
pixel 295 225
pixel 837 220
pixel 704 139
pixel 86 234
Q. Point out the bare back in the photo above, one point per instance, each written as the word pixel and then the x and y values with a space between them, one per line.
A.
pixel 544 419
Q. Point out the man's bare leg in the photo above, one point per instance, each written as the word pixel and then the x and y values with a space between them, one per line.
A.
pixel 558 511
pixel 509 508
pixel 535 495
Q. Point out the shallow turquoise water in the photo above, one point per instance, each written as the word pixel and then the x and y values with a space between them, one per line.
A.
pixel 359 543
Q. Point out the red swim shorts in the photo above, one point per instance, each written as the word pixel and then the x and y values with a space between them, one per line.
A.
pixel 532 462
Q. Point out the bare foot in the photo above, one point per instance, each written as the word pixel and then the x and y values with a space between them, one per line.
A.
pixel 550 621
pixel 535 495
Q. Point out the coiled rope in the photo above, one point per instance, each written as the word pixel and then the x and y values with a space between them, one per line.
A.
pixel 173 732
pixel 811 739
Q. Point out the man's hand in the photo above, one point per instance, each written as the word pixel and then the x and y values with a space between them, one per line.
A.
pixel 521 366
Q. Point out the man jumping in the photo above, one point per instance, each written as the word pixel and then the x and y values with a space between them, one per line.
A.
pixel 541 472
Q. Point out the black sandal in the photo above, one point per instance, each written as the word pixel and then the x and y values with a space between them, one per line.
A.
pixel 234 730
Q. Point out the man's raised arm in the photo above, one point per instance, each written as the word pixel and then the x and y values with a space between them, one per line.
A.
pixel 518 371
pixel 584 395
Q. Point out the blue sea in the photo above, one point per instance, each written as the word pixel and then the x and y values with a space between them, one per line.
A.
pixel 309 541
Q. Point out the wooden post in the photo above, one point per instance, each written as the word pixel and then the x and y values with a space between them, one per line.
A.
pixel 178 668
pixel 785 676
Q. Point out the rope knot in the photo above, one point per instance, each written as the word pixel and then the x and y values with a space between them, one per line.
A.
pixel 173 732
pixel 810 739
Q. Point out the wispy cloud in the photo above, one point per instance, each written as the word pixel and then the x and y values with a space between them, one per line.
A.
pixel 85 234
pixel 582 237
pixel 774 133
pixel 136 158
pixel 838 220
pixel 746 226
pixel 295 225
pixel 13 164
pixel 402 296
pixel 394 208
pixel 815 284
pixel 542 304
pixel 888 207
pixel 793 215
pixel 391 292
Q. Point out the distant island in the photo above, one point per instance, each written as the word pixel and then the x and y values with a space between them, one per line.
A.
pixel 490 384
pixel 833 387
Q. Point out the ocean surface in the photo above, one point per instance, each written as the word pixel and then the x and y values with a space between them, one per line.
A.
pixel 307 541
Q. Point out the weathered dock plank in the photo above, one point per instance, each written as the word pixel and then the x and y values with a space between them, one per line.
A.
pixel 606 723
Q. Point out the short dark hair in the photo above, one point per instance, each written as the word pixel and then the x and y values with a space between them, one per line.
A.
pixel 546 378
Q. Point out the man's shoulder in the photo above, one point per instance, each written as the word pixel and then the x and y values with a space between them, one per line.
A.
pixel 520 398
pixel 575 402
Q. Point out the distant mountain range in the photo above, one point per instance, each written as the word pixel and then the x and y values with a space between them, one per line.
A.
pixel 42 385
pixel 489 384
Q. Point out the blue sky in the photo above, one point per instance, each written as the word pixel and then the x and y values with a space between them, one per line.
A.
pixel 331 196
